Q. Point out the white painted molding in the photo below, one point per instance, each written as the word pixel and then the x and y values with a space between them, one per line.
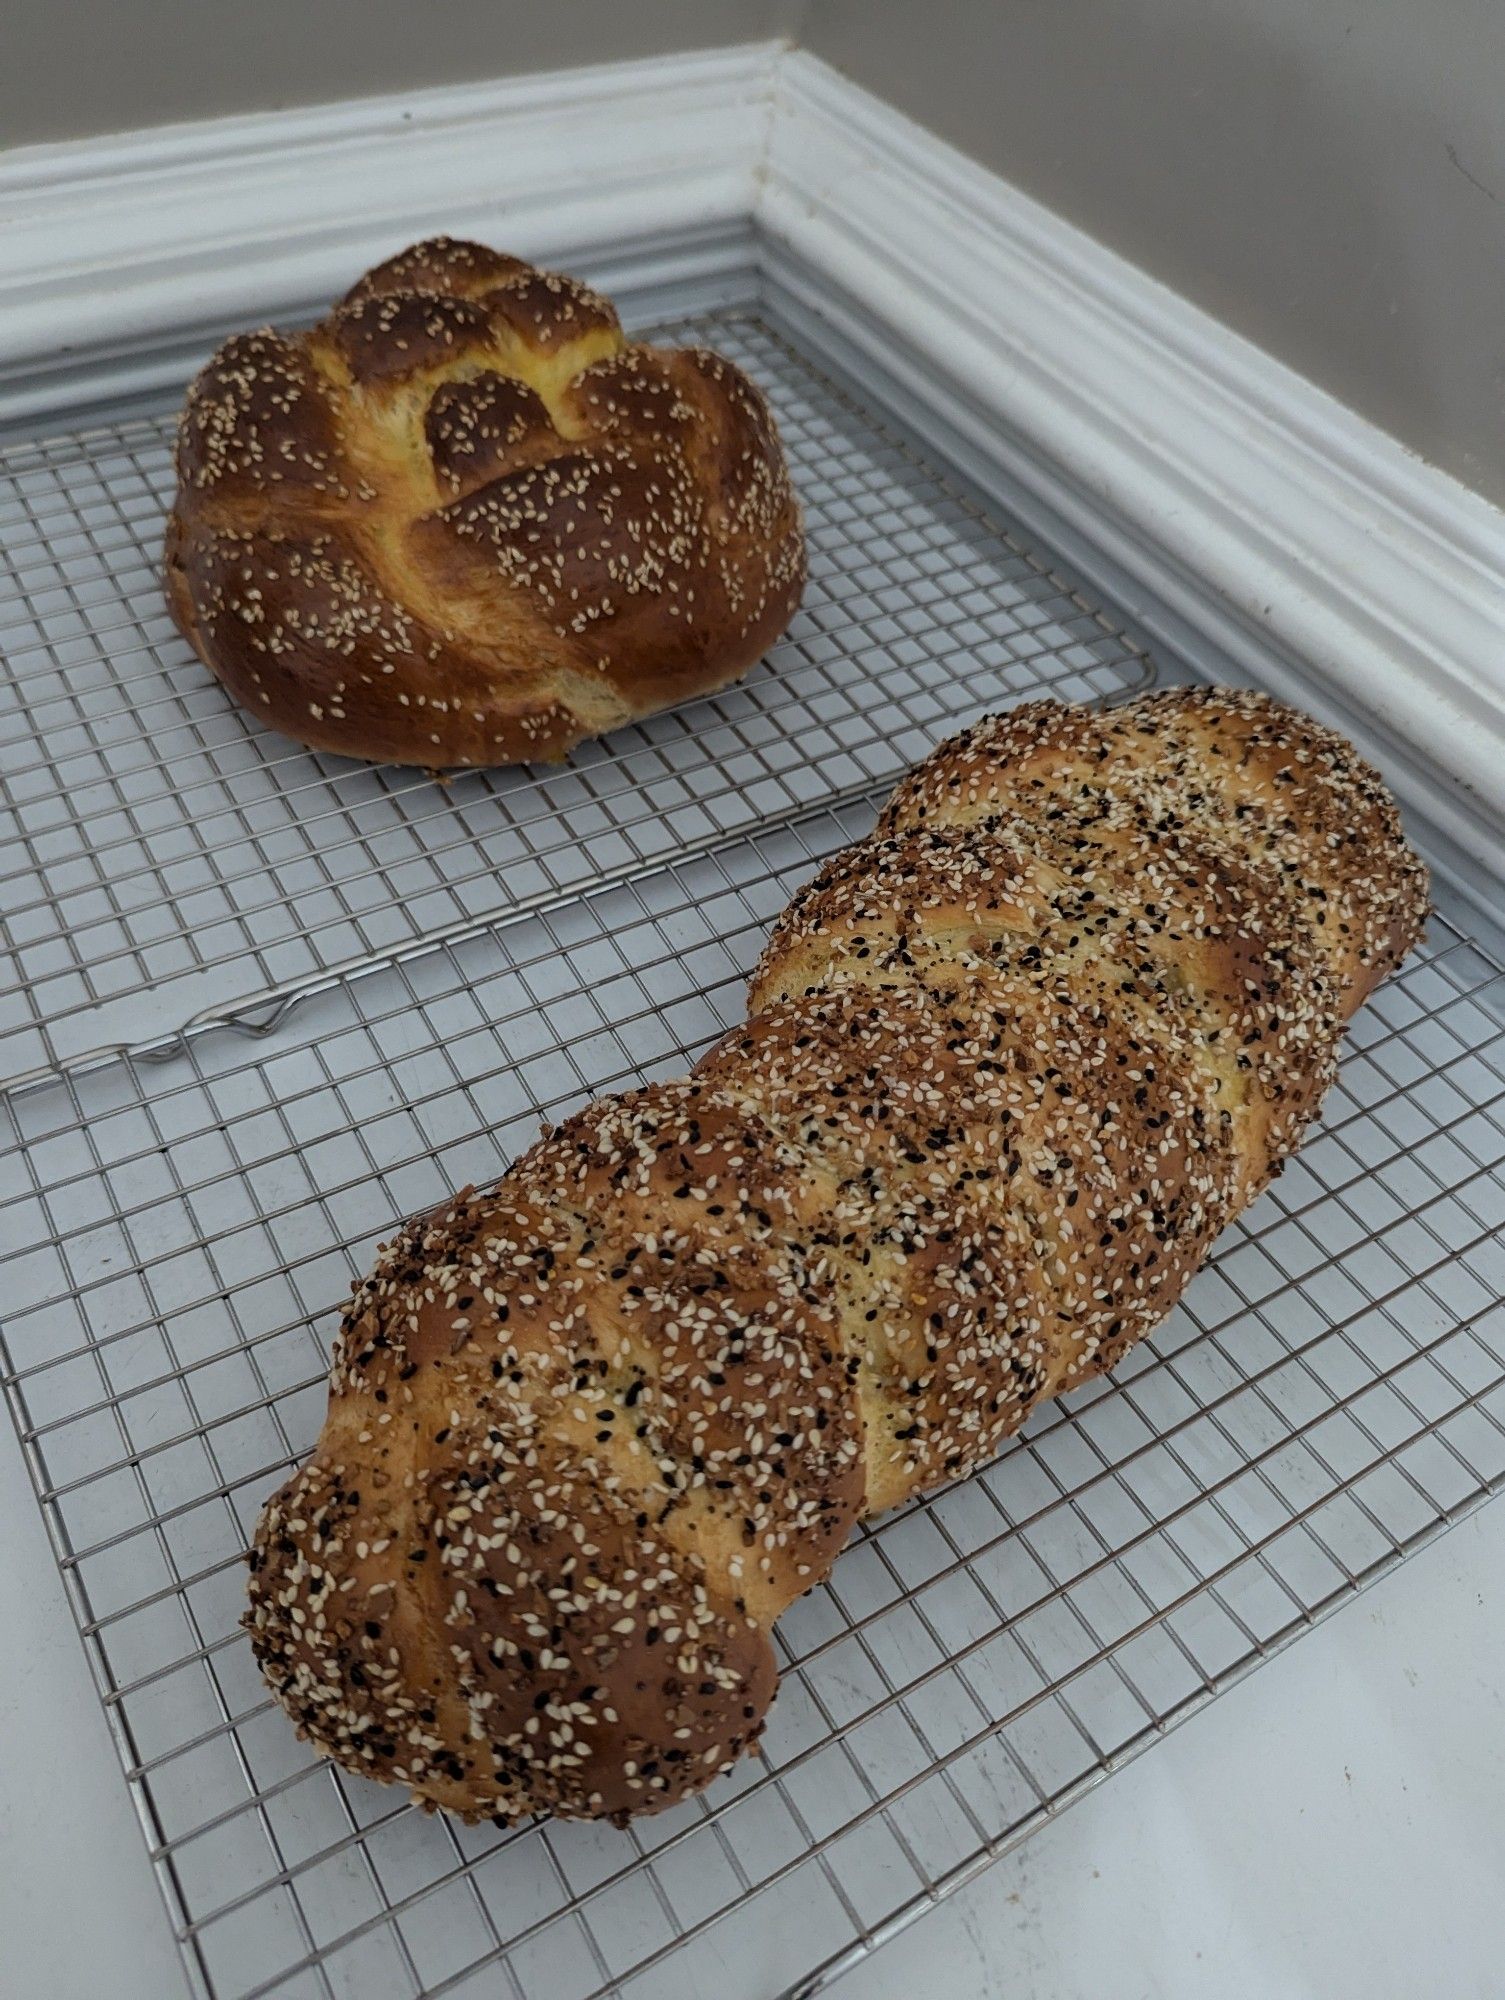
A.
pixel 1223 478
pixel 120 256
pixel 1311 550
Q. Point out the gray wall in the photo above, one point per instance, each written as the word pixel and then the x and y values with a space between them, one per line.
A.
pixel 1326 176
pixel 69 67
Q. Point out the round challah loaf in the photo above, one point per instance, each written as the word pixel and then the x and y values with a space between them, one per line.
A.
pixel 464 521
pixel 1011 1063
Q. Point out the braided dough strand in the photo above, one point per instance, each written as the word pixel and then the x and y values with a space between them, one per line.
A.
pixel 1010 1065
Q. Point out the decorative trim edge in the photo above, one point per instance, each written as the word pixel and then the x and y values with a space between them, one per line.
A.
pixel 1262 509
pixel 124 259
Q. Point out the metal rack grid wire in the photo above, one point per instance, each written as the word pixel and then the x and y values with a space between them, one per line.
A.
pixel 164 857
pixel 1331 1392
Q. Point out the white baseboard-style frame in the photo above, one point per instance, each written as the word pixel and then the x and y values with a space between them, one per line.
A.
pixel 124 259
pixel 1306 548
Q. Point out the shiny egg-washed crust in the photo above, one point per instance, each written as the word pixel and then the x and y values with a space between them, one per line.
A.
pixel 1011 1063
pixel 464 521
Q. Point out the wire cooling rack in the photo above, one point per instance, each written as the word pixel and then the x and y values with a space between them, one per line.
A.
pixel 165 858
pixel 1331 1393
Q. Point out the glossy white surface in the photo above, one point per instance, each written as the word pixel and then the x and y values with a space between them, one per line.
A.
pixel 80 1914
pixel 1331 1829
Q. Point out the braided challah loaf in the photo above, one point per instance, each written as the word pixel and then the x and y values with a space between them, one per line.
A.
pixel 463 521
pixel 1012 1062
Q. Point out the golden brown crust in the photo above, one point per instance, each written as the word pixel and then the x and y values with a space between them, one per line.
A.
pixel 1011 1064
pixel 463 521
